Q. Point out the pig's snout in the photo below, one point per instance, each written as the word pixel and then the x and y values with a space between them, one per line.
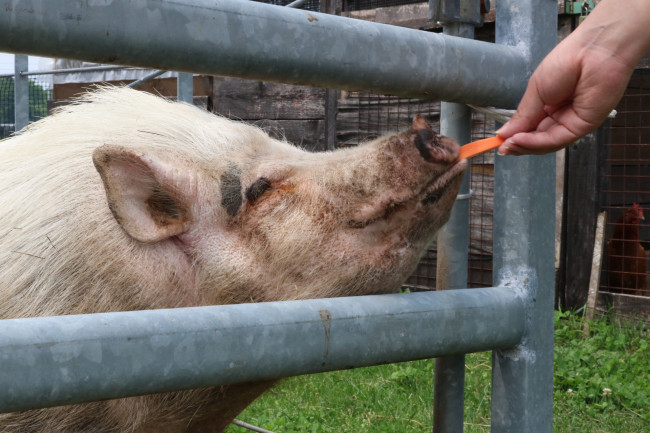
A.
pixel 433 148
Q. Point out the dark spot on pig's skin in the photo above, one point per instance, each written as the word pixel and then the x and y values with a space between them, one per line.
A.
pixel 259 187
pixel 231 198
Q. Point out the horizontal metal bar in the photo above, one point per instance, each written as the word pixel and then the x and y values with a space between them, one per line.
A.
pixel 60 360
pixel 69 70
pixel 265 42
pixel 72 70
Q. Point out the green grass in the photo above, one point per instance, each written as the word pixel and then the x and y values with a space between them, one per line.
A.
pixel 602 385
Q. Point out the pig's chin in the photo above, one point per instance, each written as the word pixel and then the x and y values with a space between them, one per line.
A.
pixel 401 212
pixel 443 185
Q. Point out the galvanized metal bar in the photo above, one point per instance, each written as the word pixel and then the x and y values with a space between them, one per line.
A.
pixel 72 70
pixel 51 361
pixel 266 42
pixel 68 70
pixel 183 84
pixel 185 87
pixel 524 234
pixel 452 243
pixel 21 92
pixel 146 78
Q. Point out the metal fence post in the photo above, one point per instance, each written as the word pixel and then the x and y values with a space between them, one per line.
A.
pixel 524 217
pixel 453 239
pixel 185 87
pixel 21 92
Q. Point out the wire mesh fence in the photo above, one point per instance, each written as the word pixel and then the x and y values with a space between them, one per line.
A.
pixel 626 194
pixel 40 93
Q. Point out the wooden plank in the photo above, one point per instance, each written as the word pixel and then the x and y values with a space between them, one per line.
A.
pixel 200 101
pixel 159 86
pixel 257 100
pixel 416 15
pixel 622 306
pixel 582 173
pixel 596 263
pixel 307 134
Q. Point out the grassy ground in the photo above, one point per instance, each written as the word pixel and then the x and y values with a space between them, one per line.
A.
pixel 602 385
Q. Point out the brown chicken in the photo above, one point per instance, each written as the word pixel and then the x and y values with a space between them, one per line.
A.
pixel 627 258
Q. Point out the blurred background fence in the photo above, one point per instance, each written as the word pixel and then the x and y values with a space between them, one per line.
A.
pixel 40 93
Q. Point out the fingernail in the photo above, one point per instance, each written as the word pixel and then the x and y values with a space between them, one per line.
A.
pixel 503 149
pixel 498 132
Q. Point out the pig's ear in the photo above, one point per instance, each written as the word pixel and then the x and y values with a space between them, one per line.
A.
pixel 146 193
pixel 420 122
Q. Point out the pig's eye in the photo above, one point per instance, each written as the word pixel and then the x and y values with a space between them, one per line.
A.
pixel 259 187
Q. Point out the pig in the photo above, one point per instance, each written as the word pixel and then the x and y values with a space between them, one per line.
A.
pixel 126 201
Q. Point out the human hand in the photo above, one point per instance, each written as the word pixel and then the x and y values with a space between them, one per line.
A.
pixel 576 86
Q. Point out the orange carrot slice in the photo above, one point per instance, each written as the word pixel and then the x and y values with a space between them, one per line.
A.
pixel 477 147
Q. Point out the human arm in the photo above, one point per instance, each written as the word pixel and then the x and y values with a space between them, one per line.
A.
pixel 580 81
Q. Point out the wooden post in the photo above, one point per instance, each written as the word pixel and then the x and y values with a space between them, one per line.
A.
pixel 332 7
pixel 583 172
pixel 594 279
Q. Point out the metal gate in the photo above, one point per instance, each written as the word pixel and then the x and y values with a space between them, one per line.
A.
pixel 70 359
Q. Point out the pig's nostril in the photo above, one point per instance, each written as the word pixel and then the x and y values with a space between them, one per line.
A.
pixel 425 142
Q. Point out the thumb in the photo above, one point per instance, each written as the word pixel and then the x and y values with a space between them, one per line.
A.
pixel 528 115
pixel 529 112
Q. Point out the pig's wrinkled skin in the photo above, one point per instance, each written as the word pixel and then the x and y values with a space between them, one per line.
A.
pixel 126 201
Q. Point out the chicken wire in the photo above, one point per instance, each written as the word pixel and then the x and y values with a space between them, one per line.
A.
pixel 40 92
pixel 626 183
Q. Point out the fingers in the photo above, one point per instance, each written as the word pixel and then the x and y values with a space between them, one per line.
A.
pixel 553 139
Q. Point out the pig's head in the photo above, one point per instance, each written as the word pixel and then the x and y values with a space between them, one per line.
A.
pixel 261 220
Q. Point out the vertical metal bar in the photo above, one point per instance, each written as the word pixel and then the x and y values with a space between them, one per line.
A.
pixel 185 87
pixel 449 373
pixel 21 92
pixel 524 233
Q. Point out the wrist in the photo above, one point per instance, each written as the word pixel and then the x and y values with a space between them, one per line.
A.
pixel 621 29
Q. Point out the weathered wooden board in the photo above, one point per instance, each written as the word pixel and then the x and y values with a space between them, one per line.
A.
pixel 159 86
pixel 308 134
pixel 624 306
pixel 257 100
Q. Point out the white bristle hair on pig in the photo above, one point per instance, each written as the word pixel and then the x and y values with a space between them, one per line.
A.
pixel 126 201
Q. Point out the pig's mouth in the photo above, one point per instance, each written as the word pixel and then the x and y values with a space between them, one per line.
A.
pixel 440 185
pixel 429 195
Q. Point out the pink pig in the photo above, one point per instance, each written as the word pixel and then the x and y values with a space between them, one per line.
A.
pixel 125 201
